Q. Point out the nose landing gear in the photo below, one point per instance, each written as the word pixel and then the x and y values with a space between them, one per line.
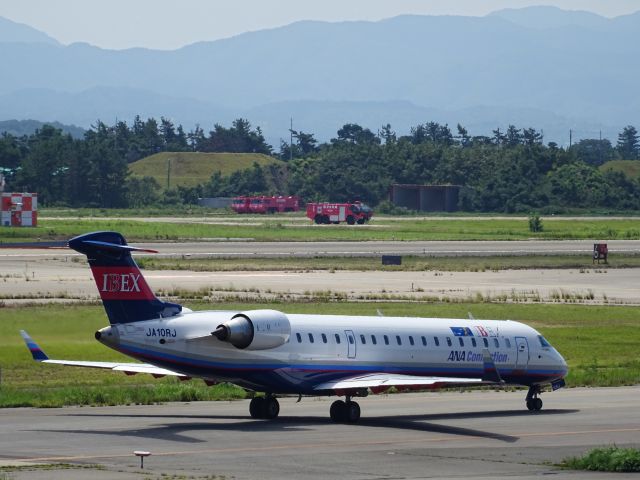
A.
pixel 533 401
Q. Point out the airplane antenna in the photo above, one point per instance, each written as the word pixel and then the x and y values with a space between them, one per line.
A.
pixel 471 317
pixel 380 314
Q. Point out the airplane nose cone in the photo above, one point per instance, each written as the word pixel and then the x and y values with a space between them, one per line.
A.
pixel 563 364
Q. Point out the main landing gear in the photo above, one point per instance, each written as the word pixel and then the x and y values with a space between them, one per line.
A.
pixel 266 407
pixel 533 401
pixel 345 411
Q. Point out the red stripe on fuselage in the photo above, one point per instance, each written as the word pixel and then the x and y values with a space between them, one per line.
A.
pixel 121 283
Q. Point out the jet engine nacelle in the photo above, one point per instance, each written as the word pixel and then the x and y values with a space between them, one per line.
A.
pixel 255 330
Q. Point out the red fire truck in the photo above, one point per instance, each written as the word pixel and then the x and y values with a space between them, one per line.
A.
pixel 351 213
pixel 240 204
pixel 266 204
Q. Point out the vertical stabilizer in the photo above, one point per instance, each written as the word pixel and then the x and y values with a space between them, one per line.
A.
pixel 125 294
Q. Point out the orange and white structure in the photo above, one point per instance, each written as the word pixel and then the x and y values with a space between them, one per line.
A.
pixel 19 210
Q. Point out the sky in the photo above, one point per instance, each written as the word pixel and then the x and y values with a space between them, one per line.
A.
pixel 171 24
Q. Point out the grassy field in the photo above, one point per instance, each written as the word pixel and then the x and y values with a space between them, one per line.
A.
pixel 192 168
pixel 599 343
pixel 631 168
pixel 289 228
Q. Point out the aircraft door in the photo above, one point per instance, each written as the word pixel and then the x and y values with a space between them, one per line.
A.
pixel 351 343
pixel 522 353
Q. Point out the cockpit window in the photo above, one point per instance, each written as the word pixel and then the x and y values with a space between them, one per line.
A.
pixel 543 341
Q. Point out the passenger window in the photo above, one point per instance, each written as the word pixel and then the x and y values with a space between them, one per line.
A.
pixel 337 339
pixel 449 341
pixel 436 341
pixel 324 338
pixel 350 339
pixel 373 340
pixel 424 340
pixel 410 339
pixel 311 337
pixel 473 342
pixel 363 340
pixel 299 337
pixel 461 341
pixel 486 342
pixel 398 340
pixel 386 340
pixel 507 342
pixel 496 343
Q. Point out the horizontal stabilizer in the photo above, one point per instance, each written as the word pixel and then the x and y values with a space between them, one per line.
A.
pixel 116 248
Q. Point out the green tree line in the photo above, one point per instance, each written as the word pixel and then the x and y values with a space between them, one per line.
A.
pixel 508 171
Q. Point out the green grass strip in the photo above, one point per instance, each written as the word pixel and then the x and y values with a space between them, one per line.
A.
pixel 289 228
pixel 598 342
pixel 608 459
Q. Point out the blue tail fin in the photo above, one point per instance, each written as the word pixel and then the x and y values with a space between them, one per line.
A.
pixel 125 294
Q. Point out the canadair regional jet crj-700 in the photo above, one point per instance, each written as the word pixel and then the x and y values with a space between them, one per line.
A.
pixel 282 354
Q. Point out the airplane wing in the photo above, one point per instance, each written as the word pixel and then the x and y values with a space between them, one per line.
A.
pixel 379 382
pixel 128 368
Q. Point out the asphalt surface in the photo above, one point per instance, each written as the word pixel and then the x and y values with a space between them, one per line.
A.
pixel 482 434
pixel 336 249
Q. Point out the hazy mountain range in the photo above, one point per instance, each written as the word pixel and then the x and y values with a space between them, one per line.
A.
pixel 538 67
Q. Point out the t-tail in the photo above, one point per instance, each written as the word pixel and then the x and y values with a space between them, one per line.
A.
pixel 125 294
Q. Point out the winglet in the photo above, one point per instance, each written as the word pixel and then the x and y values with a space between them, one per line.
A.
pixel 490 373
pixel 36 352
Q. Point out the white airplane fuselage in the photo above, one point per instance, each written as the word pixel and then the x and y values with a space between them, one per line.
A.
pixel 321 348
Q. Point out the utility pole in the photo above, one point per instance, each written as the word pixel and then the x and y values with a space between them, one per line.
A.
pixel 168 173
pixel 570 137
pixel 600 148
pixel 291 141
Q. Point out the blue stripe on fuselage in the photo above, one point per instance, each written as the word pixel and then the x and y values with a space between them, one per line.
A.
pixel 293 378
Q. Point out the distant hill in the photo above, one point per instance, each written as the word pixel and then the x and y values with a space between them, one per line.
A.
pixel 108 104
pixel 631 168
pixel 540 67
pixel 18 32
pixel 19 128
pixel 189 168
pixel 551 17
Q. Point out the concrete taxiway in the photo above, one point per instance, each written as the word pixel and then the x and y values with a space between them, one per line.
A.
pixel 67 280
pixel 250 249
pixel 481 434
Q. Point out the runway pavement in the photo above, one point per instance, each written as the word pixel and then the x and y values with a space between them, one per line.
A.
pixel 337 249
pixel 482 434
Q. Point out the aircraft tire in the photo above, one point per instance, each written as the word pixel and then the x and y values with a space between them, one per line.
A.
pixel 530 405
pixel 257 407
pixel 537 404
pixel 352 411
pixel 351 220
pixel 338 411
pixel 271 408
